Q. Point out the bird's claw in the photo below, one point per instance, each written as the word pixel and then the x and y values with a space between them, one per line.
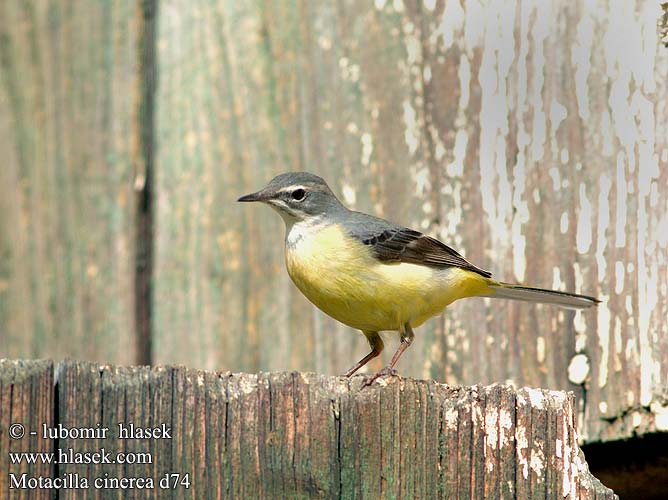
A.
pixel 384 372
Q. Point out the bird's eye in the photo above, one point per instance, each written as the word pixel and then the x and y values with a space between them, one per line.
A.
pixel 298 194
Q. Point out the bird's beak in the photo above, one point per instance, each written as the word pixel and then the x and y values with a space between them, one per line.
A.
pixel 261 195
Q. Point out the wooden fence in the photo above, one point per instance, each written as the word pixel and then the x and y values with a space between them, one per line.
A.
pixel 528 135
pixel 281 435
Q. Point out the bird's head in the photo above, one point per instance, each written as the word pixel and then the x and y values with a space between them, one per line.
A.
pixel 298 196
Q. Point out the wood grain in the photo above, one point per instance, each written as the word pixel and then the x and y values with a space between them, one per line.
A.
pixel 524 134
pixel 527 135
pixel 300 435
pixel 66 186
pixel 26 398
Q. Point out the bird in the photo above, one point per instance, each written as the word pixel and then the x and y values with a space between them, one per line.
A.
pixel 374 275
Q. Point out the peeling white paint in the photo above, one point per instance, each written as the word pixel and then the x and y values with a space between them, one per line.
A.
pixel 620 207
pixel 660 416
pixel 427 208
pixel 476 21
pixel 540 349
pixel 519 247
pixel 451 417
pixel 522 444
pixel 630 398
pixel 412 44
pixel 606 134
pixel 411 129
pixel 426 74
pixel 540 32
pixel 581 57
pixel 566 484
pixel 538 461
pixel 630 184
pixel 578 369
pixel 603 341
pixel 602 225
pixel 556 179
pixel 464 74
pixel 557 283
pixel 558 113
pixel 619 277
pixel 583 236
pixel 505 423
pixel 560 398
pixel 580 338
pixel 452 22
pixel 537 398
pixel 647 262
pixel 349 194
pixel 521 217
pixel 495 65
pixel 491 428
pixel 367 148
pixel 563 223
pixel 421 178
pixel 456 168
pixel 618 345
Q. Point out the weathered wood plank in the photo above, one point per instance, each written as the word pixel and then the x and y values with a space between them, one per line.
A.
pixel 294 435
pixel 66 185
pixel 523 134
pixel 27 400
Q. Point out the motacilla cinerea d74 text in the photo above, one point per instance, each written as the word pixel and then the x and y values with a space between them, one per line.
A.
pixel 374 275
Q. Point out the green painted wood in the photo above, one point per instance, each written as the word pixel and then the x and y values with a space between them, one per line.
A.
pixel 524 135
pixel 67 105
pixel 293 435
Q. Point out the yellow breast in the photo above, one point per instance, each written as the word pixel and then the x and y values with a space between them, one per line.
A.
pixel 342 278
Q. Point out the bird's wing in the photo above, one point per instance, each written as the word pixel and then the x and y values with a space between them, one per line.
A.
pixel 393 243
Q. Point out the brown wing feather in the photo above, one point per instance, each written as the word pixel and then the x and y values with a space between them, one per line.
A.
pixel 407 245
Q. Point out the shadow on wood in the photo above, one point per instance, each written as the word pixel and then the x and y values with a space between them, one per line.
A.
pixel 282 435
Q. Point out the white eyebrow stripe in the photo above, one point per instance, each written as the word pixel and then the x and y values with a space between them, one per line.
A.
pixel 291 188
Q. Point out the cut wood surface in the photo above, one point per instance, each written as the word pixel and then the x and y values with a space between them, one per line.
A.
pixel 529 135
pixel 290 435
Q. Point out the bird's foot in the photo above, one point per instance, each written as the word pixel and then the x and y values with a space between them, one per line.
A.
pixel 384 372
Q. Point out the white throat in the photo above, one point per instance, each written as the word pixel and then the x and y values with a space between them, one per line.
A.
pixel 297 230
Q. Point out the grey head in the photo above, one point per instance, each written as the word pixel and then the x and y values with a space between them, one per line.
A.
pixel 298 196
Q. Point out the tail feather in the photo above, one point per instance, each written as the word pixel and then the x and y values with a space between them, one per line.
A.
pixel 541 295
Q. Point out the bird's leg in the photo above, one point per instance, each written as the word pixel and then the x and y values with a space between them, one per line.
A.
pixel 376 344
pixel 407 337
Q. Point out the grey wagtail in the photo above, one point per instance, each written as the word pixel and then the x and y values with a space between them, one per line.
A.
pixel 374 275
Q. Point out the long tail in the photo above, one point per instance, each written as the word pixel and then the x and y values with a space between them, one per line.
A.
pixel 531 294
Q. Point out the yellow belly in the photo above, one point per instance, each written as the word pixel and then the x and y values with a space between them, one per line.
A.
pixel 342 278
